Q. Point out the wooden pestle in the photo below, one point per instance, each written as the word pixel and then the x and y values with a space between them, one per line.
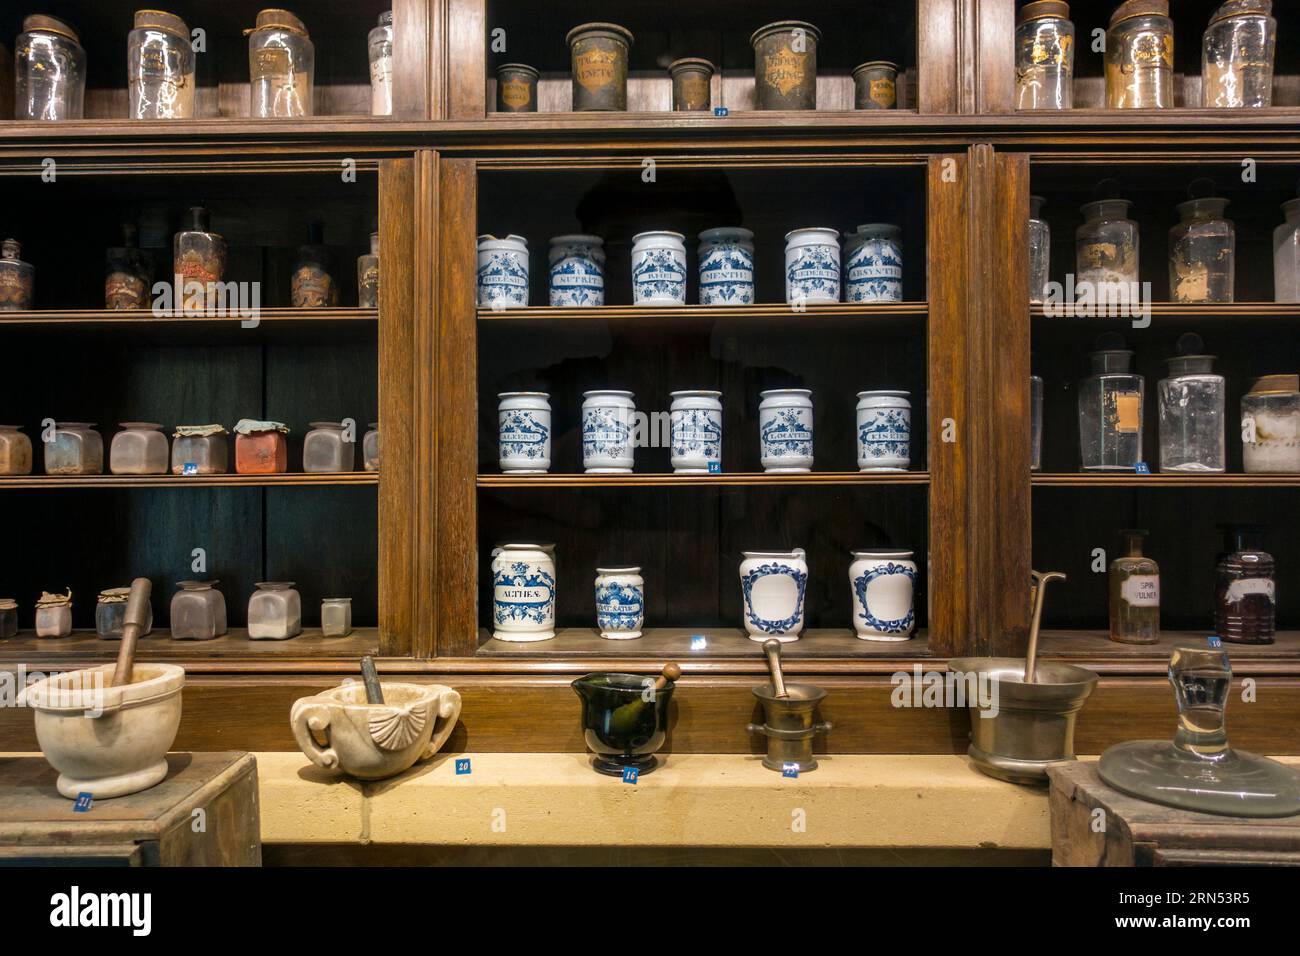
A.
pixel 370 677
pixel 671 671
pixel 137 618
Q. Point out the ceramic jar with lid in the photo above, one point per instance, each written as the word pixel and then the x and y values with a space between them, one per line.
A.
pixel 726 266
pixel 8 618
pixel 523 593
pixel 17 279
pixel 607 426
pixel 1286 254
pixel 1270 416
pixel 281 67
pixel 875 85
pixel 620 603
pixel 873 270
pixel 812 265
pixel 599 60
pixel 884 421
pixel 1237 55
pixel 1140 56
pixel 198 611
pixel 128 272
pixel 370 447
pixel 74 448
pixel 692 81
pixel 110 614
pixel 261 448
pixel 524 432
pixel 1202 253
pixel 577 271
pixel 695 427
pixel 329 448
pixel 773 585
pixel 274 612
pixel 336 617
pixel 785 65
pixel 659 268
pixel 139 449
pixel 54 614
pixel 379 49
pixel 516 88
pixel 502 272
pixel 1044 56
pixel 160 67
pixel 368 275
pixel 883 583
pixel 200 450
pixel 15 451
pixel 49 71
pixel 785 428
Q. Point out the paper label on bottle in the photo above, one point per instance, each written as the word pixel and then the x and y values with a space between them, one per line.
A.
pixel 1238 590
pixel 1128 412
pixel 1141 590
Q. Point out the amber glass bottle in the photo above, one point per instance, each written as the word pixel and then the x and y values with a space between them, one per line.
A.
pixel 1134 594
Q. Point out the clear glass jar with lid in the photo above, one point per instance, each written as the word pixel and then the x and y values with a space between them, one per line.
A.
pixel 1237 56
pixel 198 611
pixel 281 66
pixel 160 61
pixel 15 451
pixel 74 448
pixel 1191 405
pixel 1110 409
pixel 336 617
pixel 200 450
pixel 1286 254
pixel 329 447
pixel 49 71
pixel 1040 250
pixel 380 47
pixel 1044 56
pixel 1202 253
pixel 139 449
pixel 274 612
pixel 1270 422
pixel 1140 56
pixel 1106 251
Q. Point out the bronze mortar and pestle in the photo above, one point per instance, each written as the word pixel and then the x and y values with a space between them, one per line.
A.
pixel 789 722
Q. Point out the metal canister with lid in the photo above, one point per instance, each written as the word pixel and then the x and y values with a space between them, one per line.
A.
pixel 516 88
pixel 875 85
pixel 599 53
pixel 1237 55
pixel 785 65
pixel 692 81
pixel 1044 56
pixel 1140 56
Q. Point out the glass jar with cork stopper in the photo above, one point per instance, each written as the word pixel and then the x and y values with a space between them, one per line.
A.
pixel 128 273
pixel 1237 56
pixel 1110 408
pixel 160 67
pixel 1191 403
pixel 1044 56
pixel 1245 592
pixel 49 71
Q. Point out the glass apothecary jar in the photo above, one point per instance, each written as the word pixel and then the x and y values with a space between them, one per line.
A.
pixel 327 448
pixel 1237 56
pixel 261 448
pixel 200 450
pixel 1140 56
pixel 128 272
pixel 110 614
pixel 139 449
pixel 1134 594
pixel 370 448
pixel 160 67
pixel 199 259
pixel 380 47
pixel 274 612
pixel 1035 423
pixel 54 614
pixel 8 618
pixel 1245 592
pixel 1106 252
pixel 49 71
pixel 1040 250
pixel 281 66
pixel 198 611
pixel 336 617
pixel 368 276
pixel 313 285
pixel 1191 406
pixel 74 448
pixel 1202 253
pixel 17 279
pixel 1270 414
pixel 1110 410
pixel 15 451
pixel 1286 255
pixel 1044 56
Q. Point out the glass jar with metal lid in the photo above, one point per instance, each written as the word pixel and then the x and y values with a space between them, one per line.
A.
pixel 1237 55
pixel 160 67
pixel 49 71
pixel 281 66
pixel 1044 56
pixel 1140 56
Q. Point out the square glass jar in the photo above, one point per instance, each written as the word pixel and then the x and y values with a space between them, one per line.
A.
pixel 75 448
pixel 327 449
pixel 370 448
pixel 261 448
pixel 274 612
pixel 336 617
pixel 198 611
pixel 139 449
pixel 200 450
pixel 8 618
pixel 110 614
pixel 15 451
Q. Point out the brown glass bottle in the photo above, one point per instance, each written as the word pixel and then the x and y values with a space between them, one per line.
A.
pixel 1134 594
pixel 313 285
pixel 200 263
pixel 128 272
pixel 1245 600
pixel 17 279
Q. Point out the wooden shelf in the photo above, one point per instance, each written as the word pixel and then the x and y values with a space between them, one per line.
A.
pixel 73 319
pixel 1131 480
pixel 1183 312
pixel 1095 650
pixel 774 311
pixel 346 479
pixel 734 480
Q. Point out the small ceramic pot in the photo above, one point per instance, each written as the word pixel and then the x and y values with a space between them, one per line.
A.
pixel 620 603
pixel 516 88
pixel 812 265
pixel 274 612
pixel 785 428
pixel 524 423
pixel 54 615
pixel 884 431
pixel 374 741
pixel 726 266
pixel 785 65
pixel 198 611
pixel 599 55
pixel 873 270
pixel 577 274
pixel 607 432
pixel 75 448
pixel 261 448
pixel 875 86
pixel 883 584
pixel 695 426
pixel 658 268
pixel 692 77
pixel 523 594
pixel 624 720
pixel 502 272
pixel 773 585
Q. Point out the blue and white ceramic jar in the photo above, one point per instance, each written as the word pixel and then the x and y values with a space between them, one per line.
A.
pixel 577 271
pixel 607 425
pixel 773 585
pixel 873 271
pixel 524 442
pixel 884 585
pixel 884 431
pixel 726 266
pixel 659 268
pixel 502 272
pixel 523 593
pixel 785 428
pixel 695 426
pixel 620 603
pixel 812 266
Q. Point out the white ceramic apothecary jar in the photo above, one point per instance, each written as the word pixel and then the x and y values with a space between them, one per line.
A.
pixel 620 603
pixel 659 268
pixel 607 432
pixel 773 585
pixel 785 428
pixel 523 593
pixel 883 584
pixel 502 272
pixel 696 432
pixel 884 431
pixel 726 266
pixel 577 271
pixel 525 432
pixel 812 265
pixel 873 271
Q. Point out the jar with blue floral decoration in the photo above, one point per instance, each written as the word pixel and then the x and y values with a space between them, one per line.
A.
pixel 884 431
pixel 874 270
pixel 523 593
pixel 883 584
pixel 577 271
pixel 620 603
pixel 773 585
pixel 502 272
pixel 812 265
pixel 726 266
pixel 659 268
pixel 607 420
pixel 695 426
pixel 785 427
pixel 524 420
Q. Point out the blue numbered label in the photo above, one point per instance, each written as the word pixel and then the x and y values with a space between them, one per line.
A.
pixel 630 774
pixel 1142 468
pixel 84 802
pixel 462 766
pixel 789 770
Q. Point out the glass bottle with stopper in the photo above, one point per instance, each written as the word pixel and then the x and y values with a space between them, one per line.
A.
pixel 1134 593
pixel 1106 249
pixel 313 285
pixel 1286 254
pixel 1245 592
pixel 1110 408
pixel 1191 404
pixel 1202 249
pixel 128 272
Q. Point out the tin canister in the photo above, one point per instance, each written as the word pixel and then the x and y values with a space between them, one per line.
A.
pixel 875 86
pixel 599 52
pixel 785 65
pixel 692 76
pixel 516 88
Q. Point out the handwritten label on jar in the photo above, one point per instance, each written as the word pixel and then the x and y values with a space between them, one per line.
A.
pixel 884 92
pixel 1128 411
pixel 594 69
pixel 695 91
pixel 515 93
pixel 1240 590
pixel 785 70
pixel 1142 590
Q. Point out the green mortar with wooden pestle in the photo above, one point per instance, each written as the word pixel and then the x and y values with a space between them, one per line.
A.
pixel 625 718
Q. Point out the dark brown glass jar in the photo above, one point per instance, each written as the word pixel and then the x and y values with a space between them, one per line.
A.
pixel 128 273
pixel 692 79
pixel 516 88
pixel 1245 598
